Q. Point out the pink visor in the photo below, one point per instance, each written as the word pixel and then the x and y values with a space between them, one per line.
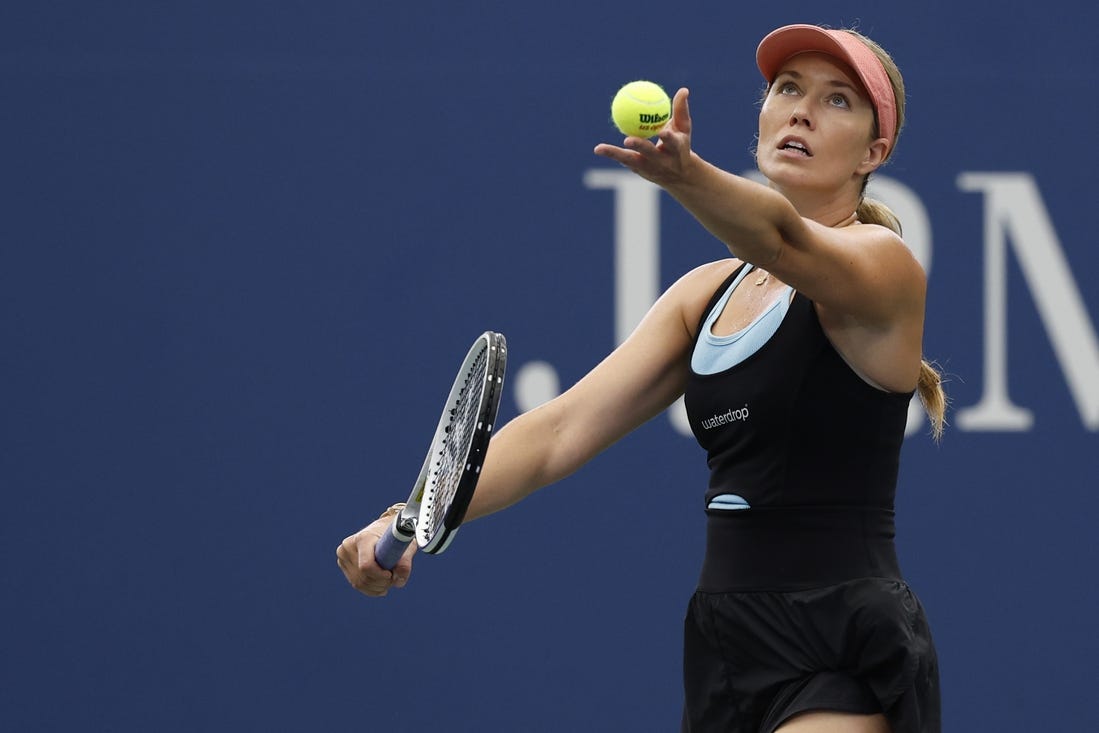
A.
pixel 791 40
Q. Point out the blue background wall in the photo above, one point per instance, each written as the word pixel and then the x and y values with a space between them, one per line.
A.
pixel 227 239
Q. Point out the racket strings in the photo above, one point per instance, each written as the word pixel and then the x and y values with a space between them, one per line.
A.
pixel 451 458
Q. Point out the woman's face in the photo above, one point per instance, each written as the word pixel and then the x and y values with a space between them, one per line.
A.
pixel 816 127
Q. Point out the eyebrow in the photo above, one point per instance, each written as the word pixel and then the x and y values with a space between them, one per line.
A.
pixel 838 83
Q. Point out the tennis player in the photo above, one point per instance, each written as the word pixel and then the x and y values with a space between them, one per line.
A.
pixel 798 356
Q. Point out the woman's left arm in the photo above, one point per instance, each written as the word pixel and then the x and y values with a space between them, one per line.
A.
pixel 863 272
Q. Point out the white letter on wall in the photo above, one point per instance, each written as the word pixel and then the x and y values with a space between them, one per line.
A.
pixel 636 245
pixel 1015 213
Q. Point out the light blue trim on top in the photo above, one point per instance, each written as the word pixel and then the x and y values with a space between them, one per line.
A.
pixel 713 354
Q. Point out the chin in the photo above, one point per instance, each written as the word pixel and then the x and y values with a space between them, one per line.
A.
pixel 784 177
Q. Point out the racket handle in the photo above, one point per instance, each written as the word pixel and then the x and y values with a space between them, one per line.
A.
pixel 390 548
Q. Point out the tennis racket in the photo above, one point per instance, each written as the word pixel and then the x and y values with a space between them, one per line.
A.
pixel 441 494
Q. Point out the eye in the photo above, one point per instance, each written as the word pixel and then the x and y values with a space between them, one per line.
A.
pixel 788 88
pixel 838 100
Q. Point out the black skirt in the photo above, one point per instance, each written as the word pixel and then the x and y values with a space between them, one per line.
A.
pixel 754 659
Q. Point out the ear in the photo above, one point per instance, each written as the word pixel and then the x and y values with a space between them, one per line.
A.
pixel 876 153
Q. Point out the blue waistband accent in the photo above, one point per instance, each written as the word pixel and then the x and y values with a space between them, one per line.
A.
pixel 728 502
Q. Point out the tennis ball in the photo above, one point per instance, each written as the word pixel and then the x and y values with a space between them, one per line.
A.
pixel 641 109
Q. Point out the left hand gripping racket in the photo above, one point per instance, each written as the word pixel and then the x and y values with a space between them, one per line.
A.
pixel 442 492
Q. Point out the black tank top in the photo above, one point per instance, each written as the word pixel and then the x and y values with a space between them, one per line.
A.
pixel 811 447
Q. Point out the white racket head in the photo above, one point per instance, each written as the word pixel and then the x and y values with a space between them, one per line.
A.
pixel 453 463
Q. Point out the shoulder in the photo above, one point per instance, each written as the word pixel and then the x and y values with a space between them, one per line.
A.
pixel 689 295
pixel 879 242
pixel 704 279
pixel 900 275
pixel 864 271
pixel 867 239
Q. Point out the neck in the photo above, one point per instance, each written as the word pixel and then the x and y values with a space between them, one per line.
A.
pixel 831 211
pixel 834 214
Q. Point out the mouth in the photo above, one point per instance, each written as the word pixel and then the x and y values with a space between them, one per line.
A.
pixel 796 146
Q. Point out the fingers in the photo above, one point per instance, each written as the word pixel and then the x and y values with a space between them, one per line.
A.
pixel 675 138
pixel 681 111
pixel 630 155
pixel 665 161
pixel 659 163
pixel 355 557
pixel 404 567
pixel 370 580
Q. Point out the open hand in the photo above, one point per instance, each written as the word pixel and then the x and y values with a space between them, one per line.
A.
pixel 666 161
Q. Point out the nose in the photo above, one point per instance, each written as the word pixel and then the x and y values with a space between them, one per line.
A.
pixel 800 116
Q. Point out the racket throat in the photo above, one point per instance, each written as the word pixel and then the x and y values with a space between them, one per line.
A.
pixel 404 527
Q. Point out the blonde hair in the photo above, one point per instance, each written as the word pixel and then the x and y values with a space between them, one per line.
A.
pixel 869 211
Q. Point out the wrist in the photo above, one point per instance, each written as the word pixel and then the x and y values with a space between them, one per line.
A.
pixel 393 510
pixel 692 176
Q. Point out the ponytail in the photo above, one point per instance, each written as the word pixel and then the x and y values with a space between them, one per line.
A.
pixel 933 397
pixel 875 212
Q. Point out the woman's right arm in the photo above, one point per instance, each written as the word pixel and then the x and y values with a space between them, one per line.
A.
pixel 636 382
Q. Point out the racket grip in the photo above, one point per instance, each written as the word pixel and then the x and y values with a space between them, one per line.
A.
pixel 390 548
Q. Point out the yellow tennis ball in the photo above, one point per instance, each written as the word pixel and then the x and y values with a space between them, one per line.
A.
pixel 641 109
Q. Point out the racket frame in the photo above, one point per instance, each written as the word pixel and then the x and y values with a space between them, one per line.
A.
pixel 412 522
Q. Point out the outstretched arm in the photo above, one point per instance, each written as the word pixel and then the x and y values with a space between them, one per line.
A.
pixel 637 381
pixel 634 383
pixel 864 273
